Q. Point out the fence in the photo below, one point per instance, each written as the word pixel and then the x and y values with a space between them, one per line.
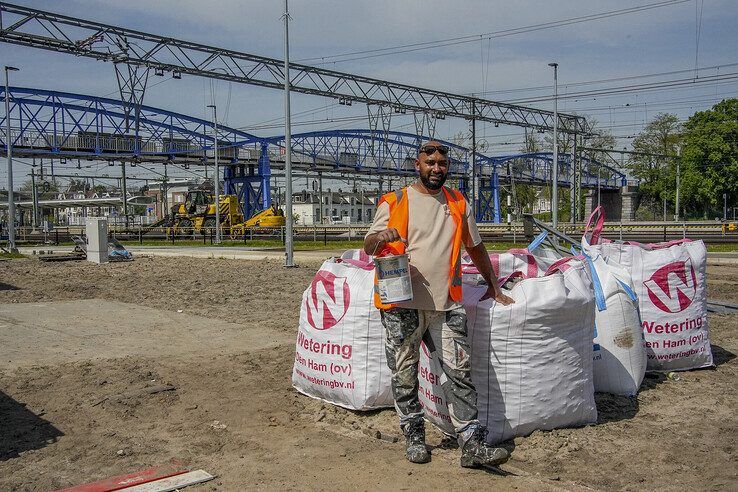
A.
pixel 716 232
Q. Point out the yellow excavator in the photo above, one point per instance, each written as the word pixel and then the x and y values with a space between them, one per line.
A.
pixel 197 215
pixel 267 218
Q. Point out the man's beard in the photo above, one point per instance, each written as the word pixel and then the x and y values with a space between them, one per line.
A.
pixel 431 185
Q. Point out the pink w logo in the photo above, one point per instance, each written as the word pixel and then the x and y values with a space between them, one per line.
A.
pixel 328 300
pixel 671 288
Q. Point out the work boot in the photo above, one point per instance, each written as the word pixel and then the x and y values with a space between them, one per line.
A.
pixel 477 453
pixel 417 451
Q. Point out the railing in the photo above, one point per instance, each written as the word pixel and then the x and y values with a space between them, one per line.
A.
pixel 112 143
pixel 118 221
pixel 635 231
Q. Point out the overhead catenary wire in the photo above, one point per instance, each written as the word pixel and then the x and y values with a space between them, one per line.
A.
pixel 613 79
pixel 405 48
pixel 632 88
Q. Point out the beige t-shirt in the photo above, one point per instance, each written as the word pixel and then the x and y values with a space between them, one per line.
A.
pixel 430 234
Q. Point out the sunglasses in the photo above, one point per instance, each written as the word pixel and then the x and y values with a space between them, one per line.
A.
pixel 432 149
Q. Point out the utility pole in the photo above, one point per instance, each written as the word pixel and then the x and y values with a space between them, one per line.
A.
pixel 572 183
pixel 511 173
pixel 9 147
pixel 163 187
pixel 34 196
pixel 474 161
pixel 679 161
pixel 124 191
pixel 320 196
pixel 555 177
pixel 599 169
pixel 664 209
pixel 725 207
pixel 287 142
pixel 217 175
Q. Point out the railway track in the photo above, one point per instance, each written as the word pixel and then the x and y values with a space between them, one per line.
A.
pixel 647 232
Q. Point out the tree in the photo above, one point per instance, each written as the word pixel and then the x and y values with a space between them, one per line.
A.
pixel 53 187
pixel 655 165
pixel 599 139
pixel 710 159
pixel 525 195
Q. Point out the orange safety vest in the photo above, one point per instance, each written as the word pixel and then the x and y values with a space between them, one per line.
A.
pixel 398 219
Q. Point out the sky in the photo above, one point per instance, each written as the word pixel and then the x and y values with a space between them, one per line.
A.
pixel 695 38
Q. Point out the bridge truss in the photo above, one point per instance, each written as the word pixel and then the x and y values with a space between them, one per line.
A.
pixel 50 31
pixel 52 124
pixel 537 169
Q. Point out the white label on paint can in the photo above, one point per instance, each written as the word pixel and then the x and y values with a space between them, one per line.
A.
pixel 395 289
pixel 393 279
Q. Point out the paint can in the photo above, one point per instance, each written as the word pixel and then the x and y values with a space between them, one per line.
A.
pixel 393 278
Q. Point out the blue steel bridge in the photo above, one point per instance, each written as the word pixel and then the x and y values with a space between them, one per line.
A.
pixel 52 124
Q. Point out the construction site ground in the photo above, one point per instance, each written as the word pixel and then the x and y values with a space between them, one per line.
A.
pixel 80 344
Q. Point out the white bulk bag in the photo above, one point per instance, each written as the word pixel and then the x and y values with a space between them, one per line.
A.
pixel 532 360
pixel 511 262
pixel 670 282
pixel 339 354
pixel 430 392
pixel 356 254
pixel 619 347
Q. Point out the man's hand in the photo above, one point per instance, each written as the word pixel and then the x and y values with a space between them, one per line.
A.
pixel 376 242
pixel 389 236
pixel 480 258
pixel 494 292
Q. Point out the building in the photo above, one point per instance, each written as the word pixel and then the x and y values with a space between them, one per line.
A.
pixel 77 215
pixel 310 208
pixel 177 189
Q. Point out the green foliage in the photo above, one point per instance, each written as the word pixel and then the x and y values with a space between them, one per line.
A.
pixel 602 139
pixel 531 143
pixel 710 160
pixel 27 187
pixel 526 197
pixel 660 140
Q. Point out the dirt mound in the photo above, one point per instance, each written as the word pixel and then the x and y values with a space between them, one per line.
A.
pixel 234 413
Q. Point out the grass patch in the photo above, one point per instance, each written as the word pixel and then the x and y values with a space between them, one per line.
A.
pixel 256 243
pixel 298 245
pixel 11 256
pixel 498 246
pixel 495 246
pixel 722 247
pixel 337 245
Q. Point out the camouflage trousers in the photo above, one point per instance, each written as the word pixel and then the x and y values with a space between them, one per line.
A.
pixel 445 333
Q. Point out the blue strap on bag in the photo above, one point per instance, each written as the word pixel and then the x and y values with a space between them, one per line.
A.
pixel 537 241
pixel 596 285
pixel 628 290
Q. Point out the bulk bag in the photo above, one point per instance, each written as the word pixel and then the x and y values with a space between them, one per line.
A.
pixel 670 283
pixel 356 254
pixel 619 346
pixel 339 353
pixel 532 360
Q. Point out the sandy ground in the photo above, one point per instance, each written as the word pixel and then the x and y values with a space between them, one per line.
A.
pixel 91 333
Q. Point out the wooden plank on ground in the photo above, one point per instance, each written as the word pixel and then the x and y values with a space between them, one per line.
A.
pixel 172 483
pixel 173 468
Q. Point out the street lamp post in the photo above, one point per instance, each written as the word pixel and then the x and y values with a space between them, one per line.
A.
pixel 217 175
pixel 555 178
pixel 678 163
pixel 9 147
pixel 288 246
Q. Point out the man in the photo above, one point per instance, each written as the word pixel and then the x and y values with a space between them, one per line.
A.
pixel 430 222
